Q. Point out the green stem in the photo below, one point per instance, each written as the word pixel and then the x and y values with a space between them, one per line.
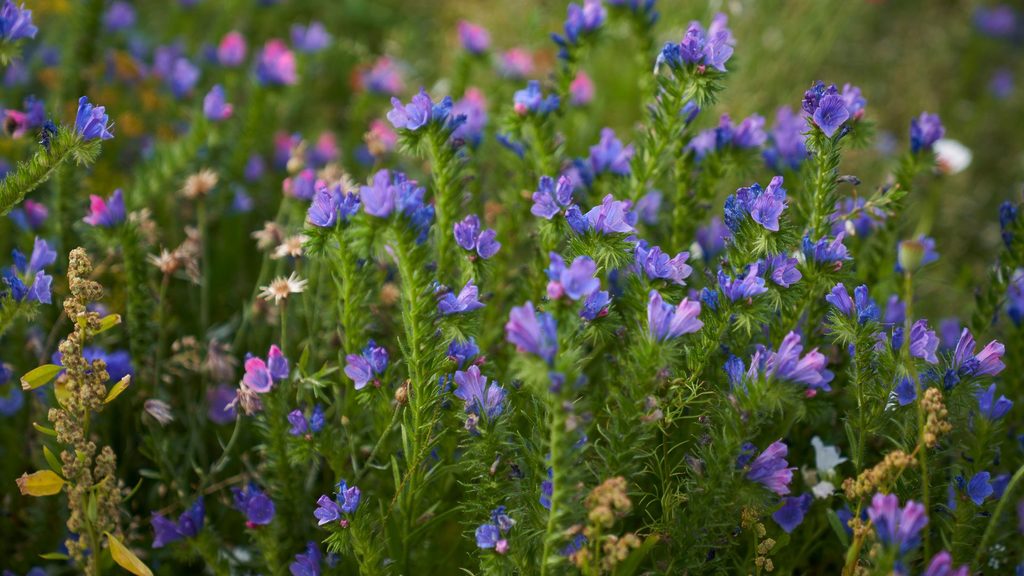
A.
pixel 994 521
pixel 908 298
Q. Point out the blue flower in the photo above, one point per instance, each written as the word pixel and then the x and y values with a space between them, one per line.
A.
pixel 307 563
pixel 215 105
pixel 421 111
pixel 106 213
pixel 829 109
pixel 787 364
pixel 595 306
pixel 923 342
pixel 787 149
pixel 781 269
pixel 655 264
pixel 257 506
pixel 331 205
pixel 611 217
pixel 188 525
pixel 906 392
pixel 864 309
pixel 979 488
pixel 91 122
pixel 183 77
pixel 16 23
pixel 991 408
pixel 531 100
pixel 712 47
pixel 925 130
pixel 462 351
pixel 792 513
pixel 826 251
pixel 467 300
pixel 896 527
pixel 580 23
pixel 119 16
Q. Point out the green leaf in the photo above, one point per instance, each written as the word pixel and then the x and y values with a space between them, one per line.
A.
pixel 837 527
pixel 52 460
pixel 45 430
pixel 54 556
pixel 40 376
pixel 41 483
pixel 108 322
pixel 118 388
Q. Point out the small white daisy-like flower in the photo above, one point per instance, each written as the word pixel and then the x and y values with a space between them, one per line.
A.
pixel 166 261
pixel 269 235
pixel 280 288
pixel 199 184
pixel 290 247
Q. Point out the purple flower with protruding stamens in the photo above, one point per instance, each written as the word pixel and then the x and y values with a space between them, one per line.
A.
pixel 15 22
pixel 771 470
pixel 532 332
pixel 576 281
pixel 611 217
pixel 826 251
pixel 763 205
pixel 988 362
pixel 106 213
pixel 787 364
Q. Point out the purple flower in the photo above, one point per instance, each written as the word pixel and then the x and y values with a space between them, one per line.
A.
pixel 348 497
pixel 188 525
pixel 656 264
pixel 609 155
pixel 364 367
pixel 308 563
pixel 787 148
pixel 106 213
pixel 581 89
pixel 829 109
pixel 611 217
pixel 550 199
pixel 576 281
pixel 16 23
pixel 531 100
pixel 942 565
pixel 991 408
pixel 379 197
pixel 750 133
pixel 531 332
pixel 925 130
pixel 826 251
pixel 346 501
pixel 30 216
pixel 764 206
pixel 863 308
pixel 467 300
pixel 310 39
pixel 923 342
pixel 327 510
pixel 665 321
pixel 742 288
pixel 469 237
pixel 231 50
pixel 830 114
pixel 298 423
pixel 580 23
pixel 472 106
pixel 257 506
pixel 712 47
pixel 782 270
pixel 414 115
pixel 595 305
pixel 474 39
pixel 221 408
pixel 786 364
pixel 183 77
pixel 215 105
pixel 277 364
pixel 896 527
pixel 1015 297
pixel 771 470
pixel 864 221
pixel 276 64
pixel 119 16
pixel 988 362
pixel 648 207
pixel 480 397
pixel 515 63
pixel 792 513
pixel 91 122
pixel 999 21
pixel 384 77
pixel 490 536
pixel 331 204
pixel 979 488
pixel 712 237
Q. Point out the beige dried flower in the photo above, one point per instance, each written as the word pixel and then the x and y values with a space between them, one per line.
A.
pixel 280 288
pixel 200 184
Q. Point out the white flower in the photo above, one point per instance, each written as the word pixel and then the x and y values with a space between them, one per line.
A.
pixel 280 288
pixel 952 156
pixel 290 246
pixel 826 458
pixel 823 490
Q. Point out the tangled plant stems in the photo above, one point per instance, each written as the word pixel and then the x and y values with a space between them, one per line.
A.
pixel 365 326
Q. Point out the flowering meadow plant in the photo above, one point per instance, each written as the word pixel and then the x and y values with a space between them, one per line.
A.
pixel 282 298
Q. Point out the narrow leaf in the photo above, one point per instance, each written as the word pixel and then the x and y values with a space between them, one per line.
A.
pixel 52 460
pixel 54 556
pixel 118 388
pixel 125 558
pixel 43 429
